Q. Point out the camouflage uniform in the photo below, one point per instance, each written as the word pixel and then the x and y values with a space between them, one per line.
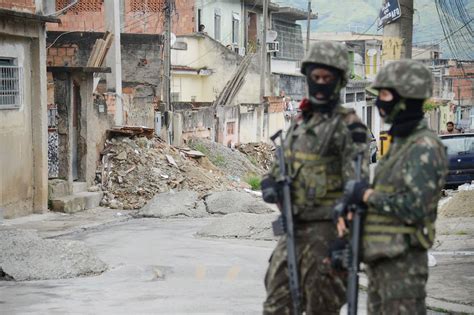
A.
pixel 319 153
pixel 399 226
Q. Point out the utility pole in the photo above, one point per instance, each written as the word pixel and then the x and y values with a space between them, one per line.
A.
pixel 308 28
pixel 458 109
pixel 167 72
pixel 402 28
pixel 263 63
pixel 114 57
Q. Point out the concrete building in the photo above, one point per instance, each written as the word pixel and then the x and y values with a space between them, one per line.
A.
pixel 286 62
pixel 365 56
pixel 23 109
pixel 202 67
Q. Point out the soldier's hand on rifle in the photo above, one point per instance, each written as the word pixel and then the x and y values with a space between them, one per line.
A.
pixel 354 192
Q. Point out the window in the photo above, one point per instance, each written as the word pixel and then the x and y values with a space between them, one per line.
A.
pixel 368 117
pixel 217 25
pixel 11 84
pixel 350 97
pixel 231 128
pixel 235 28
pixel 360 97
pixel 175 97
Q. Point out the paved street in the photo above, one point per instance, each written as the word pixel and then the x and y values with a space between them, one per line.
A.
pixel 155 266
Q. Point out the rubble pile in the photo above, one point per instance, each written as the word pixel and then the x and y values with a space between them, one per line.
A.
pixel 232 162
pixel 461 204
pixel 134 170
pixel 25 256
pixel 259 153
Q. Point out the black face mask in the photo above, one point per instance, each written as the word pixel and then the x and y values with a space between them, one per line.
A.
pixel 327 90
pixel 387 106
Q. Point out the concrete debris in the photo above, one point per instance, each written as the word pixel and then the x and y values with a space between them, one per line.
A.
pixel 174 204
pixel 226 202
pixel 241 225
pixel 152 167
pixel 460 204
pixel 232 162
pixel 260 153
pixel 466 187
pixel 25 256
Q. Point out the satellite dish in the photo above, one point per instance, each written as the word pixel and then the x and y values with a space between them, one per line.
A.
pixel 371 52
pixel 271 36
pixel 172 39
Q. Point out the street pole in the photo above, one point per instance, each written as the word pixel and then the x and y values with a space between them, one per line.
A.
pixel 114 57
pixel 167 71
pixel 263 63
pixel 458 109
pixel 402 28
pixel 308 28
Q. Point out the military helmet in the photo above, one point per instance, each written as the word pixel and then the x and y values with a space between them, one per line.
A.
pixel 332 54
pixel 409 78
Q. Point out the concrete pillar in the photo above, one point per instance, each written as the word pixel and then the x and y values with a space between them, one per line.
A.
pixel 39 121
pixel 114 57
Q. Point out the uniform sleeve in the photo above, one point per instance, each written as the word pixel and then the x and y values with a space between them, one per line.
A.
pixel 423 175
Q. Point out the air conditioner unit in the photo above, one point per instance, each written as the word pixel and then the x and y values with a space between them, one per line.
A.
pixel 273 47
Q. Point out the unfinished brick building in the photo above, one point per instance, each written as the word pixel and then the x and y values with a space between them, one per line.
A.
pixel 137 16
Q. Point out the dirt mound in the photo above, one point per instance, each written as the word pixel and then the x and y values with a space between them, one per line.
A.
pixel 259 153
pixel 460 204
pixel 26 256
pixel 232 162
pixel 134 170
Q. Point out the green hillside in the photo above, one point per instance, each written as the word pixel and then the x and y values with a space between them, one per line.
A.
pixel 358 15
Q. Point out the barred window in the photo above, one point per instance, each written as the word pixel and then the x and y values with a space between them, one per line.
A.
pixel 11 84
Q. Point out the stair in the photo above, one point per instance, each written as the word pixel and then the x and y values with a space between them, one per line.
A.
pixel 79 200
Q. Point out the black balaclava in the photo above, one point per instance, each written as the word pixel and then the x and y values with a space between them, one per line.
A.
pixel 403 113
pixel 330 91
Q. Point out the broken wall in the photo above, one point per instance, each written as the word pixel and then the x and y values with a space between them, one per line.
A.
pixel 141 64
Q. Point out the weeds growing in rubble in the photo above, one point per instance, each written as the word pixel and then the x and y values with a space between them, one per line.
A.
pixel 219 160
pixel 253 181
pixel 201 148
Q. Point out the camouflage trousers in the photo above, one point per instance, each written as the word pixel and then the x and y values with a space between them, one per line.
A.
pixel 322 290
pixel 398 285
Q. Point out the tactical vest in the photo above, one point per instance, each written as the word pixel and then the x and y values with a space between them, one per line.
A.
pixel 315 171
pixel 384 235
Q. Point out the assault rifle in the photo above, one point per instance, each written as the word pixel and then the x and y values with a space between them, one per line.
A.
pixel 351 256
pixel 285 224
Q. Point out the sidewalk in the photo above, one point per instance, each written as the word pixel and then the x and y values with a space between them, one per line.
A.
pixel 54 224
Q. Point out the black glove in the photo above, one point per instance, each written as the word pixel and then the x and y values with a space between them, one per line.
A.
pixel 270 189
pixel 354 191
pixel 339 254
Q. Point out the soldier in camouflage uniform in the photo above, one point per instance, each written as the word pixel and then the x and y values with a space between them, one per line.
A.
pixel 319 152
pixel 402 203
